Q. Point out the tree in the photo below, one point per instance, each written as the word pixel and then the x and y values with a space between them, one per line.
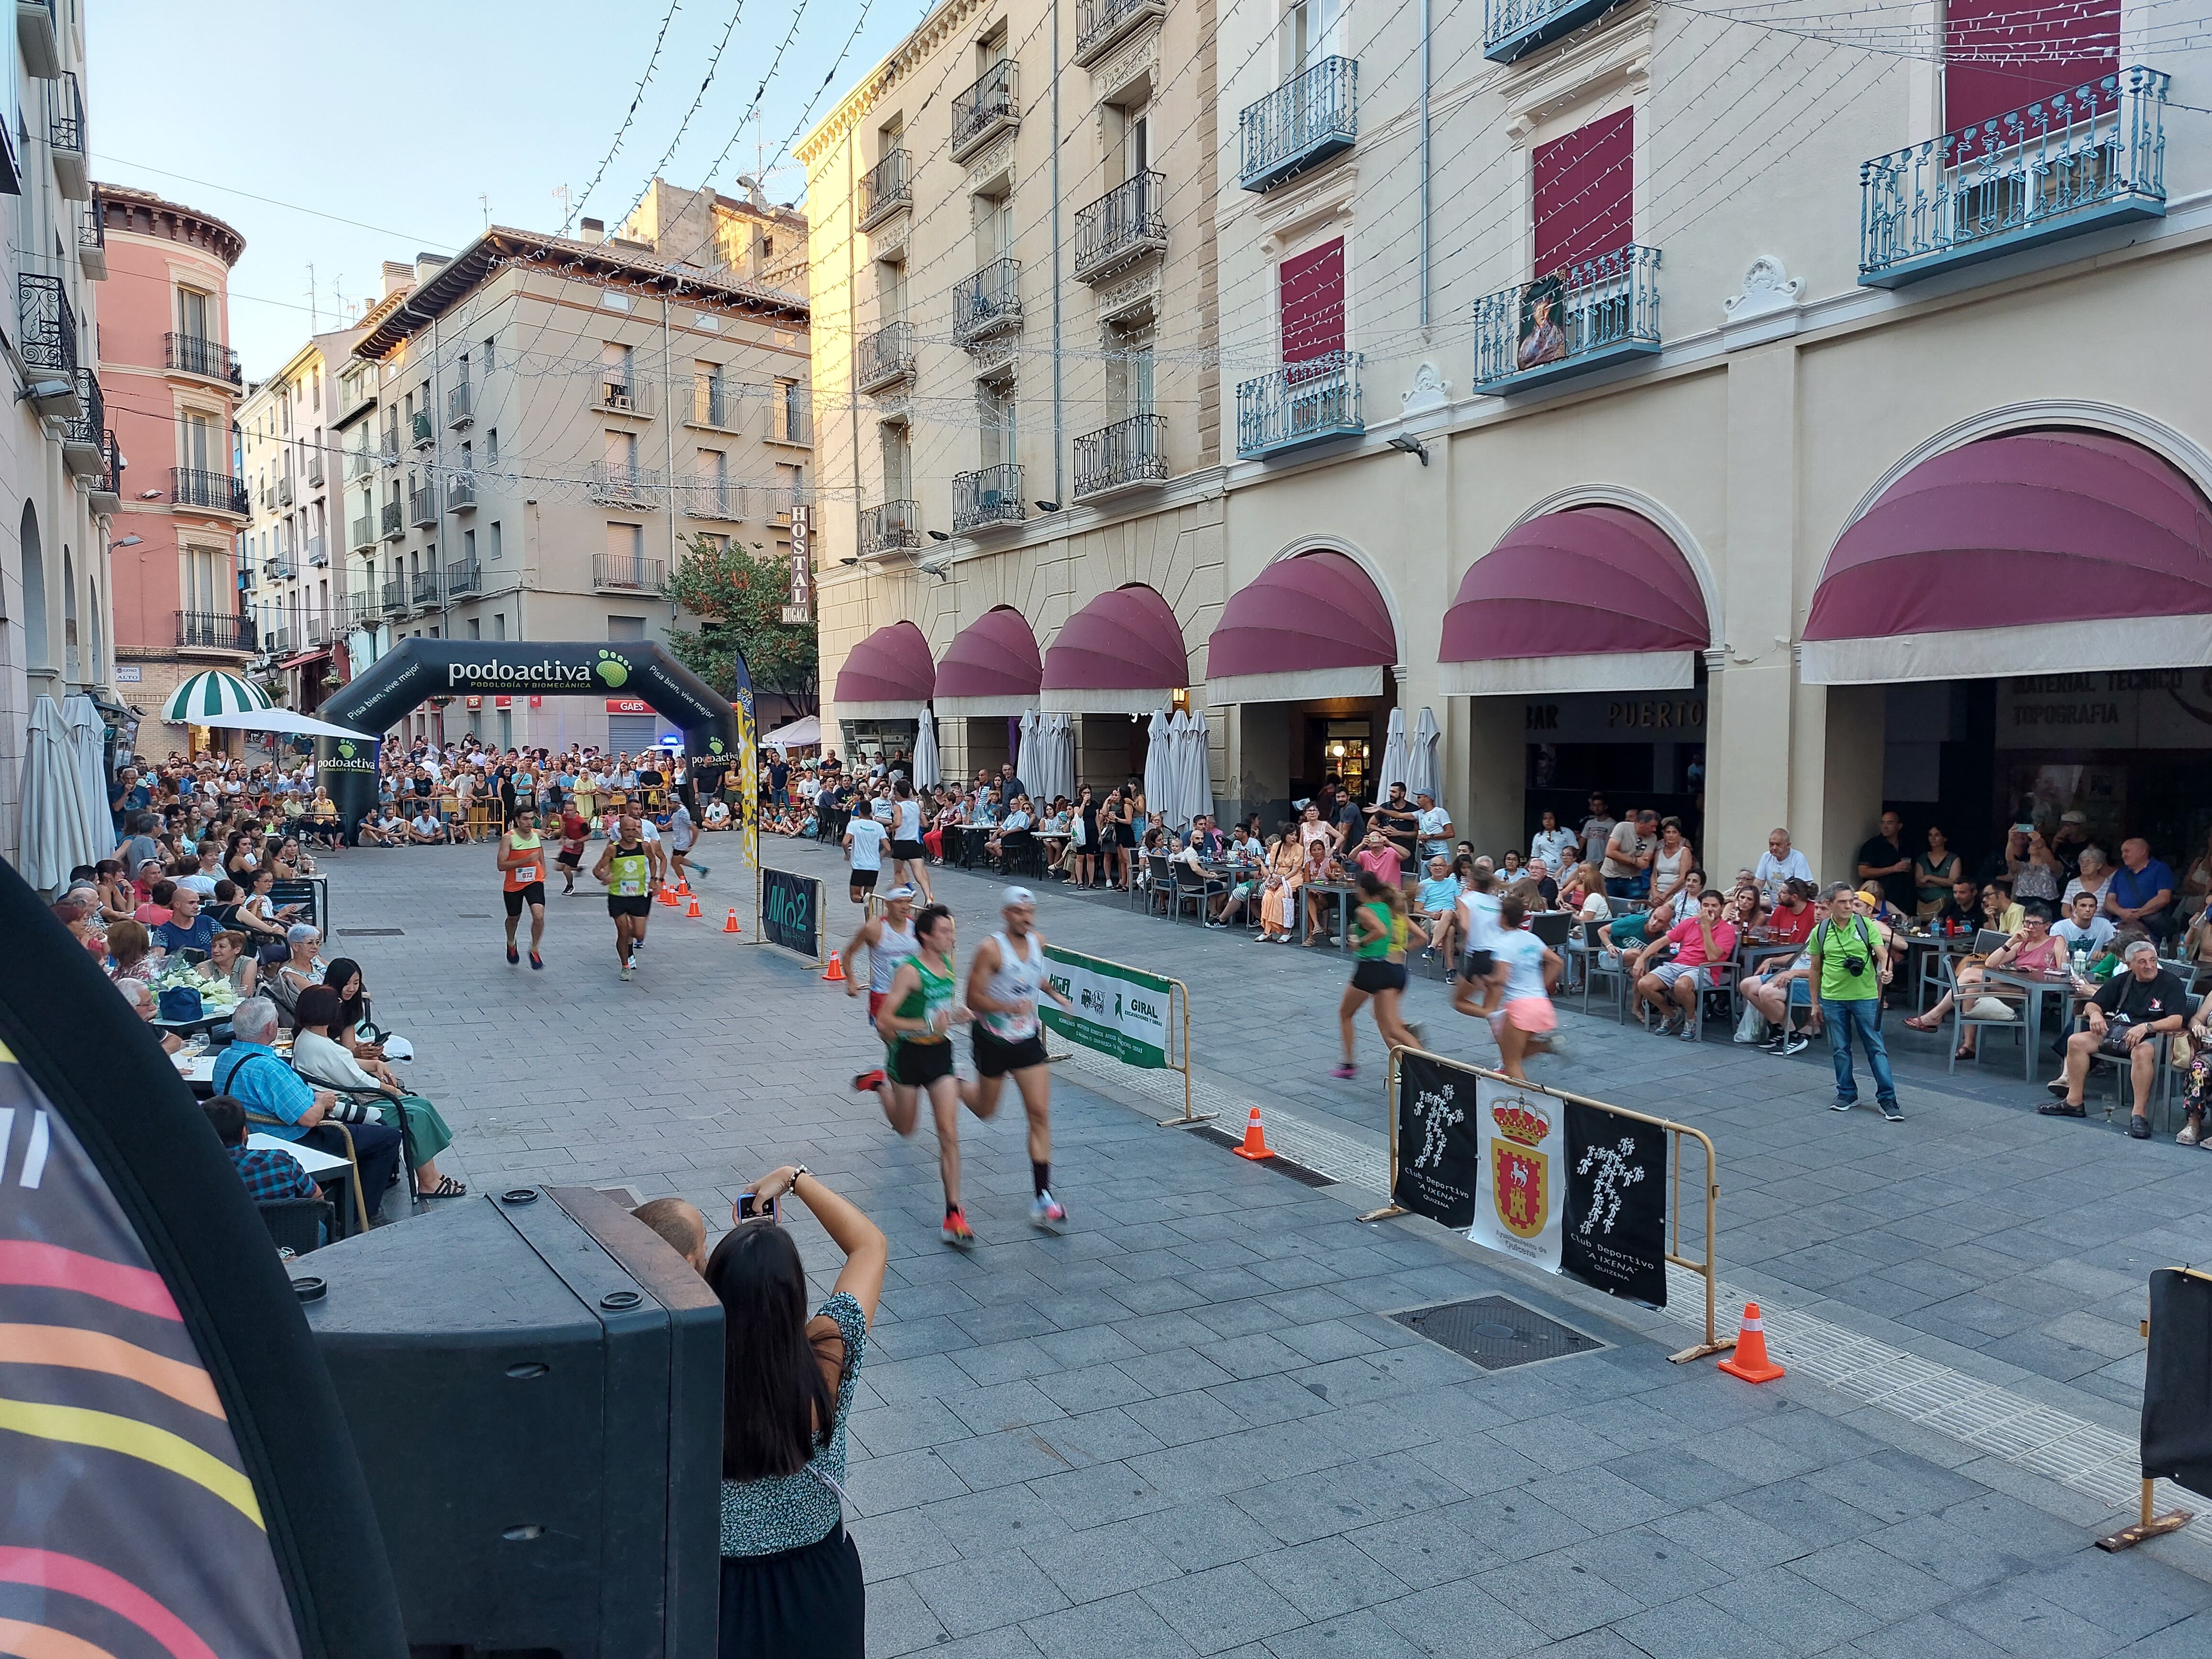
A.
pixel 738 592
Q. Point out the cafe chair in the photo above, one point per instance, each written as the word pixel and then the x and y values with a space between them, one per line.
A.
pixel 297 1224
pixel 262 1120
pixel 1964 1017
pixel 1722 975
pixel 2123 1090
pixel 1597 967
pixel 1192 887
pixel 1159 882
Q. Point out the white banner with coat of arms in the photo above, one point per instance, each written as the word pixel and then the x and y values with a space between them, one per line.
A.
pixel 1521 1188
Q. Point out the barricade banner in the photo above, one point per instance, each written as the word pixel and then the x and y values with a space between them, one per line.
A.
pixel 791 912
pixel 1442 1150
pixel 1120 1011
pixel 1614 1233
pixel 1522 1186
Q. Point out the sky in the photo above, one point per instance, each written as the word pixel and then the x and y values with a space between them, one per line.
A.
pixel 339 135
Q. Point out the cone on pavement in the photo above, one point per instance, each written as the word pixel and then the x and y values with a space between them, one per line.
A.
pixel 834 973
pixel 1749 1361
pixel 694 910
pixel 731 926
pixel 1256 1139
pixel 683 887
pixel 665 895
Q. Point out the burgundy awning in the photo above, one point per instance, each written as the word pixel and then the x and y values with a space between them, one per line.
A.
pixel 1312 626
pixel 1122 654
pixel 2035 552
pixel 887 677
pixel 1588 599
pixel 992 666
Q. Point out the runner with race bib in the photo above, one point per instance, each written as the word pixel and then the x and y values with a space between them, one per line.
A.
pixel 1004 984
pixel 521 861
pixel 918 1015
pixel 626 869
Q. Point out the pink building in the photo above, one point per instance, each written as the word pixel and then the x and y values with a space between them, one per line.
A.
pixel 173 388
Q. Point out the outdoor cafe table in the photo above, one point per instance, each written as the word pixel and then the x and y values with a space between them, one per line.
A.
pixel 1342 891
pixel 1941 945
pixel 2035 987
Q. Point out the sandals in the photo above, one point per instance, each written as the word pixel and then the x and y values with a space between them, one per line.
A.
pixel 446 1187
pixel 1922 1023
pixel 1966 1051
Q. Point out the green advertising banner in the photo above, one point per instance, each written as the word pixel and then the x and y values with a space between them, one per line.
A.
pixel 1121 1012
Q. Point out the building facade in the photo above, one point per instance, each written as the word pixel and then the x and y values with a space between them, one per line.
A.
pixel 57 466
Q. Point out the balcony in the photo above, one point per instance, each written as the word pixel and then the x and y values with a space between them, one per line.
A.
pixel 625 575
pixel 2076 161
pixel 460 492
pixel 1514 28
pixel 1587 315
pixel 395 598
pixel 894 527
pixel 38 38
pixel 713 403
pixel 776 503
pixel 712 498
pixel 319 551
pixel 885 358
pixel 421 430
pixel 188 354
pixel 610 485
pixel 364 534
pixel 885 189
pixel 1103 24
pixel 47 328
pixel 354 392
pixel 314 469
pixel 393 521
pixel 424 589
pixel 423 506
pixel 390 452
pixel 788 419
pixel 92 240
pixel 65 136
pixel 283 492
pixel 1121 227
pixel 314 628
pixel 991 495
pixel 213 492
pixel 362 602
pixel 216 631
pixel 81 436
pixel 623 393
pixel 461 404
pixel 277 641
pixel 462 578
pixel 985 110
pixel 1122 456
pixel 1299 403
pixel 106 491
pixel 359 464
pixel 987 302
pixel 280 569
pixel 1300 125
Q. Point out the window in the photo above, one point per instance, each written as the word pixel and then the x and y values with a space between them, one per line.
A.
pixel 461 368
pixel 468 547
pixel 1312 302
pixel 495 549
pixel 1129 371
pixel 476 628
pixel 192 314
pixel 625 627
pixel 2001 54
pixel 468 458
pixel 319 388
pixel 491 447
pixel 994 415
pixel 898 461
pixel 1583 192
pixel 198 435
pixel 891 291
pixel 499 632
pixel 994 227
pixel 616 360
pixel 1129 152
pixel 487 361
pixel 1309 34
pixel 204 579
pixel 622 454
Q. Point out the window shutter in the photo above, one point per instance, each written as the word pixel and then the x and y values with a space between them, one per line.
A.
pixel 1584 192
pixel 2001 54
pixel 1313 303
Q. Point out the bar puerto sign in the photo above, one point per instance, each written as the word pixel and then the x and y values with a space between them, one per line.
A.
pixel 1121 1012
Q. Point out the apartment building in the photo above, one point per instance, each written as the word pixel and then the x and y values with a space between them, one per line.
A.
pixel 57 465
pixel 526 438
pixel 1019 418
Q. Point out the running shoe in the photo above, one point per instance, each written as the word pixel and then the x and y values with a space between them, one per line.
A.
pixel 514 956
pixel 701 869
pixel 1343 1071
pixel 1797 1044
pixel 536 961
pixel 868 1082
pixel 628 969
pixel 956 1232
pixel 1889 1112
pixel 1046 1215
pixel 631 964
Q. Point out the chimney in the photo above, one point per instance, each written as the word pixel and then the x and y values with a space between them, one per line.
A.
pixel 754 193
pixel 593 230
pixel 428 265
pixel 397 275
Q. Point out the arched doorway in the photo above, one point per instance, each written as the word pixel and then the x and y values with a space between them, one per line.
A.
pixel 38 650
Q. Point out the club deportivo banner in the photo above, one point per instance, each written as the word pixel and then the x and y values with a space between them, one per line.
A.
pixel 791 912
pixel 1522 1172
pixel 1614 1233
pixel 1121 1012
pixel 1439 1147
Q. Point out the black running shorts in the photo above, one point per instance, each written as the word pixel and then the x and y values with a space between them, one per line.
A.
pixel 996 1056
pixel 637 904
pixel 917 1065
pixel 516 899
pixel 865 880
pixel 1375 975
pixel 908 851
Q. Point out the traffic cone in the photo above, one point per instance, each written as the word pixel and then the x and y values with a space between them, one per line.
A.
pixel 731 926
pixel 1749 1361
pixel 683 887
pixel 1256 1139
pixel 834 973
pixel 694 910
pixel 663 897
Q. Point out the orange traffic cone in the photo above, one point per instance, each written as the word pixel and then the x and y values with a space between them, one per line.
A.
pixel 663 897
pixel 834 973
pixel 683 887
pixel 731 926
pixel 1749 1361
pixel 694 910
pixel 1256 1139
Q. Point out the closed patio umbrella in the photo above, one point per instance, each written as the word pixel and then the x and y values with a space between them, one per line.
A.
pixel 1057 743
pixel 1201 765
pixel 88 741
pixel 1396 753
pixel 1422 772
pixel 926 774
pixel 1025 732
pixel 1159 767
pixel 50 831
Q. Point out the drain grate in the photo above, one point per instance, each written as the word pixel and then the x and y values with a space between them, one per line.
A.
pixel 1496 1332
pixel 371 933
pixel 1280 1164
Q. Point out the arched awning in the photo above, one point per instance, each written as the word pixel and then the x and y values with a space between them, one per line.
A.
pixel 1122 654
pixel 1311 626
pixel 1587 598
pixel 992 667
pixel 2031 553
pixel 887 677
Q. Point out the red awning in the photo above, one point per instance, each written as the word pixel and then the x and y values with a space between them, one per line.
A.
pixel 992 666
pixel 2035 552
pixel 1122 654
pixel 304 659
pixel 887 677
pixel 1590 599
pixel 1312 626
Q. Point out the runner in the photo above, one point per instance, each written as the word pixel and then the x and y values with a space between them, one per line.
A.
pixel 890 940
pixel 521 861
pixel 918 1012
pixel 865 841
pixel 909 859
pixel 575 827
pixel 682 832
pixel 1517 993
pixel 1380 929
pixel 626 868
pixel 1004 983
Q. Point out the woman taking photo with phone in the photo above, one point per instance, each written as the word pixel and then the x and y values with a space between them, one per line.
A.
pixel 791 1575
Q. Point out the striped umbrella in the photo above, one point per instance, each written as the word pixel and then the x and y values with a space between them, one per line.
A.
pixel 212 693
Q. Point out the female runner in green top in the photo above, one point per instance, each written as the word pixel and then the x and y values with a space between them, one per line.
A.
pixel 1380 929
pixel 919 1010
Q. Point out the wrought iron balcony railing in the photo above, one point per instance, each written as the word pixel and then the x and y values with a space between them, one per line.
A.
pixel 789 420
pixel 884 357
pixel 65 136
pixel 362 602
pixel 216 630
pixel 364 533
pixel 283 492
pixel 1299 403
pixel 1121 227
pixel 463 579
pixel 991 495
pixel 1514 28
pixel 1583 316
pixel 712 498
pixel 460 491
pixel 393 521
pixel 461 404
pixel 886 188
pixel 1128 453
pixel 389 451
pixel 359 464
pixel 624 486
pixel 619 570
pixel 1300 125
pixel 713 403
pixel 421 430
pixel 894 526
pixel 987 302
pixel 319 551
pixel 423 506
pixel 107 487
pixel 1101 25
pixel 985 110
pixel 314 469
pixel 622 393
pixel 280 569
pixel 92 239
pixel 46 325
pixel 82 432
pixel 216 492
pixel 314 628
pixel 2089 156
pixel 395 597
pixel 424 587
pixel 188 354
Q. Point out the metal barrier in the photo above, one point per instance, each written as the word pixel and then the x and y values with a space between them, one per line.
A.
pixel 1673 1250
pixel 1126 1023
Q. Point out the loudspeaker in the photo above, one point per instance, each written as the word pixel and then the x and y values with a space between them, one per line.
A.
pixel 534 1385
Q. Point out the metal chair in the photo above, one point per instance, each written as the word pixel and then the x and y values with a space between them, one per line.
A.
pixel 1719 981
pixel 1962 1021
pixel 297 1224
pixel 1597 967
pixel 1191 887
pixel 1159 885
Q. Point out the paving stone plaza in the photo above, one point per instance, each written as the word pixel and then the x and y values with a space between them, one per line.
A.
pixel 1189 1426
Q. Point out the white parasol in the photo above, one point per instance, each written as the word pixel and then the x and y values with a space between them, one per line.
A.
pixel 926 773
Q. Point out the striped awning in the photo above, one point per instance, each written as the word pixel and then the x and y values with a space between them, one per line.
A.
pixel 212 693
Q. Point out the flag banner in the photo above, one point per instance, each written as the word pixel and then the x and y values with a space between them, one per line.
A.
pixel 1519 1194
pixel 1121 1012
pixel 1439 1148
pixel 1614 1233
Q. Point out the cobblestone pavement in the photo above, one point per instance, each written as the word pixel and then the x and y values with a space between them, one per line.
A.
pixel 1186 1426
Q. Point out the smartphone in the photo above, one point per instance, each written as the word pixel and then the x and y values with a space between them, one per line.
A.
pixel 749 1207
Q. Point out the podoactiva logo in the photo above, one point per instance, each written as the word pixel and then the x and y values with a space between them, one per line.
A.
pixel 545 673
pixel 613 668
pixel 348 758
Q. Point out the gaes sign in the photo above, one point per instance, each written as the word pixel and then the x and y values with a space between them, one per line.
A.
pixel 1121 1012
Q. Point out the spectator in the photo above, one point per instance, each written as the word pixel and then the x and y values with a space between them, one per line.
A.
pixel 76 917
pixel 1933 873
pixel 425 829
pixel 319 1057
pixel 1698 946
pixel 1399 821
pixel 187 929
pixel 259 916
pixel 1783 984
pixel 791 1580
pixel 1781 862
pixel 2000 912
pixel 128 946
pixel 229 963
pixel 203 879
pixel 1883 860
pixel 1851 966
pixel 157 910
pixel 1628 853
pixel 2082 930
pixel 2196 884
pixel 1746 907
pixel 2198 1096
pixel 1794 916
pixel 1582 892
pixel 1552 844
pixel 2037 874
pixel 2032 950
pixel 1279 887
pixel 2125 1017
pixel 2095 877
pixel 1436 906
pixel 2141 891
pixel 1435 826
pixel 1962 911
pixel 1381 855
pixel 681 1227
pixel 2072 841
pixel 270 1176
pixel 251 1070
pixel 1671 860
pixel 1596 830
pixel 140 995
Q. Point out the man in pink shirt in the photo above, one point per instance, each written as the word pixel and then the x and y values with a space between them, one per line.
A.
pixel 1380 853
pixel 1672 988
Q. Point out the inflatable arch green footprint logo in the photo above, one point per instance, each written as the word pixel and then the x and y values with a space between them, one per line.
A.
pixel 345 749
pixel 611 668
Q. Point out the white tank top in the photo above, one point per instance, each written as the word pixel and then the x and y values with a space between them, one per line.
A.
pixel 1016 980
pixel 909 821
pixel 891 948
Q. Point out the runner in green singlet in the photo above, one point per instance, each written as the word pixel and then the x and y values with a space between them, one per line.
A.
pixel 626 869
pixel 1381 929
pixel 918 1011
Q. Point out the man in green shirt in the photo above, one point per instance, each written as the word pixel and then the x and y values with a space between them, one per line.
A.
pixel 1849 966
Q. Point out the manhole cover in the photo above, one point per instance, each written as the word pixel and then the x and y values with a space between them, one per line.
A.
pixel 1496 1332
pixel 371 933
pixel 1280 1165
